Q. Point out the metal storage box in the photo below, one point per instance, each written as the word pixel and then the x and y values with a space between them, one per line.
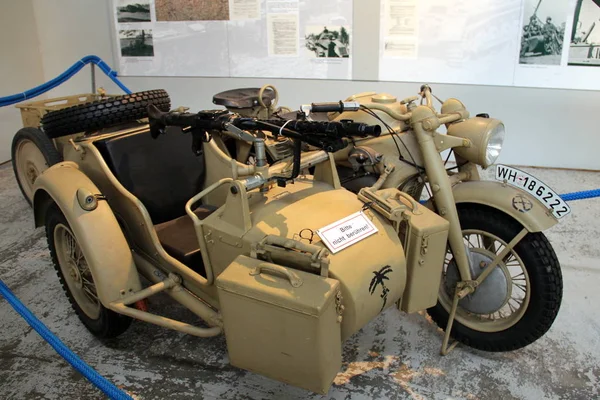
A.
pixel 281 322
pixel 425 248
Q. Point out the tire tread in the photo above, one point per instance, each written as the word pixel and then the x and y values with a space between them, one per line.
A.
pixel 542 311
pixel 103 113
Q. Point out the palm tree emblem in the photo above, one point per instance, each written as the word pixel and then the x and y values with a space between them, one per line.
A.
pixel 377 280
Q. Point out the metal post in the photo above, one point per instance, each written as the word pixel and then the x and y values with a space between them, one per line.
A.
pixel 93 71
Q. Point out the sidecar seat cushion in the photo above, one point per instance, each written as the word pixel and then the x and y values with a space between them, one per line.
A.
pixel 179 239
pixel 163 173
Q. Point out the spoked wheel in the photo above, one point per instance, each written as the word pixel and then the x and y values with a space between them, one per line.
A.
pixel 518 302
pixel 76 271
pixel 32 153
pixel 76 278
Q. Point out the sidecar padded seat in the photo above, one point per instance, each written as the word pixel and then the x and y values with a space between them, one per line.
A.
pixel 243 98
pixel 179 239
pixel 163 173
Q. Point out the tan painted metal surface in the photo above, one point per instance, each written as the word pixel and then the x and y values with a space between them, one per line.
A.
pixel 288 333
pixel 500 196
pixel 98 232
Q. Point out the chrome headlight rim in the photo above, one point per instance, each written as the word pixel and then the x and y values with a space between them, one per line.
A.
pixel 494 140
pixel 484 139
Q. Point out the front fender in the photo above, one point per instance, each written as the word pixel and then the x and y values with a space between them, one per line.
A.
pixel 500 196
pixel 97 232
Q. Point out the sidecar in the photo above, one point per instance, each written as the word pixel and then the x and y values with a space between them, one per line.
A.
pixel 287 270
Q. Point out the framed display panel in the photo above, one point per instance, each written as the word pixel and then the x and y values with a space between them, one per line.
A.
pixel 234 38
pixel 531 43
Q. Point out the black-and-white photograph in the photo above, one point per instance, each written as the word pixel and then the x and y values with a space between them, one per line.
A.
pixel 133 11
pixel 327 41
pixel 585 35
pixel 136 43
pixel 543 31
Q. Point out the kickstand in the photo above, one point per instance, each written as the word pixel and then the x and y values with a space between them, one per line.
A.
pixel 445 348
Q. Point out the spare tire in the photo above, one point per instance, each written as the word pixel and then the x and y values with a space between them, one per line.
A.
pixel 103 113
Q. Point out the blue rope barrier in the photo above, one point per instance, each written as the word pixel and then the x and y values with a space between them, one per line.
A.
pixel 98 380
pixel 587 194
pixel 62 78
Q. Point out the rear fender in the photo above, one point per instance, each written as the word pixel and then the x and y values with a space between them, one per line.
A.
pixel 501 197
pixel 97 231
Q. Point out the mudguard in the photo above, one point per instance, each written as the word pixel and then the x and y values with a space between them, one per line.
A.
pixel 503 198
pixel 97 231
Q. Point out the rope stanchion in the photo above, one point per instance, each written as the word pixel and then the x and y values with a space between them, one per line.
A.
pixel 92 375
pixel 62 78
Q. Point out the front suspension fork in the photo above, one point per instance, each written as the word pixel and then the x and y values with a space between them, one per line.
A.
pixel 444 200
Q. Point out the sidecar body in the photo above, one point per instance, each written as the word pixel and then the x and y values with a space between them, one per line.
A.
pixel 252 264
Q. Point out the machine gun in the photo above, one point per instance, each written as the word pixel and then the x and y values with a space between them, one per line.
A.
pixel 329 136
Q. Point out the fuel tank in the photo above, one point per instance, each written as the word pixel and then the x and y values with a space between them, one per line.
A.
pixel 371 272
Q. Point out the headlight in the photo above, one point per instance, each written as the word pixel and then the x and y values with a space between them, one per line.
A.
pixel 485 135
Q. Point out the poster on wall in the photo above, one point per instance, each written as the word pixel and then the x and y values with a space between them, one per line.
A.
pixel 464 41
pixel 294 39
pixel 584 49
pixel 530 43
pixel 570 25
pixel 543 31
pixel 238 38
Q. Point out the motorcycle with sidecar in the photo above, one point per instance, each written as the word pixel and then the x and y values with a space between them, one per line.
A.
pixel 501 282
pixel 277 256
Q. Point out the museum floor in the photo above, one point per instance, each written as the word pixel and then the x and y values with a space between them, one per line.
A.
pixel 395 356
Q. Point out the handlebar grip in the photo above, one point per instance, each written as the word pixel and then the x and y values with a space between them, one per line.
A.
pixel 327 107
pixel 340 107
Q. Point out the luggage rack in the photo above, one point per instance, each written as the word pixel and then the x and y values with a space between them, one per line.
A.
pixel 32 112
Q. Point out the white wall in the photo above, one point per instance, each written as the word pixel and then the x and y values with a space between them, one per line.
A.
pixel 20 68
pixel 554 128
pixel 69 30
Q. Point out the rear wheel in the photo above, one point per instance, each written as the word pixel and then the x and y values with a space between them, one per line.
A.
pixel 518 302
pixel 32 153
pixel 76 278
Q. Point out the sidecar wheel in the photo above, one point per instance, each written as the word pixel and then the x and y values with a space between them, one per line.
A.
pixel 76 278
pixel 522 296
pixel 32 153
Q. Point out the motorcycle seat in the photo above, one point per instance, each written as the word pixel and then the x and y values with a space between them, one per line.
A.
pixel 243 98
pixel 178 238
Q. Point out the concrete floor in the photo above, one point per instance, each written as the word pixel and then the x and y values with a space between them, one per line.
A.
pixel 395 356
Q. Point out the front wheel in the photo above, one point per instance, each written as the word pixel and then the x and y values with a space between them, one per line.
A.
pixel 518 302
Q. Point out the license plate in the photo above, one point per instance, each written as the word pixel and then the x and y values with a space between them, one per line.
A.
pixel 346 232
pixel 533 186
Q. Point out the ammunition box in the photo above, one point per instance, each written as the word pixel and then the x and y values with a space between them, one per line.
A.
pixel 281 322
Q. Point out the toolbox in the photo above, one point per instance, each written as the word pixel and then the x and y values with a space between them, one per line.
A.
pixel 282 322
pixel 425 241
